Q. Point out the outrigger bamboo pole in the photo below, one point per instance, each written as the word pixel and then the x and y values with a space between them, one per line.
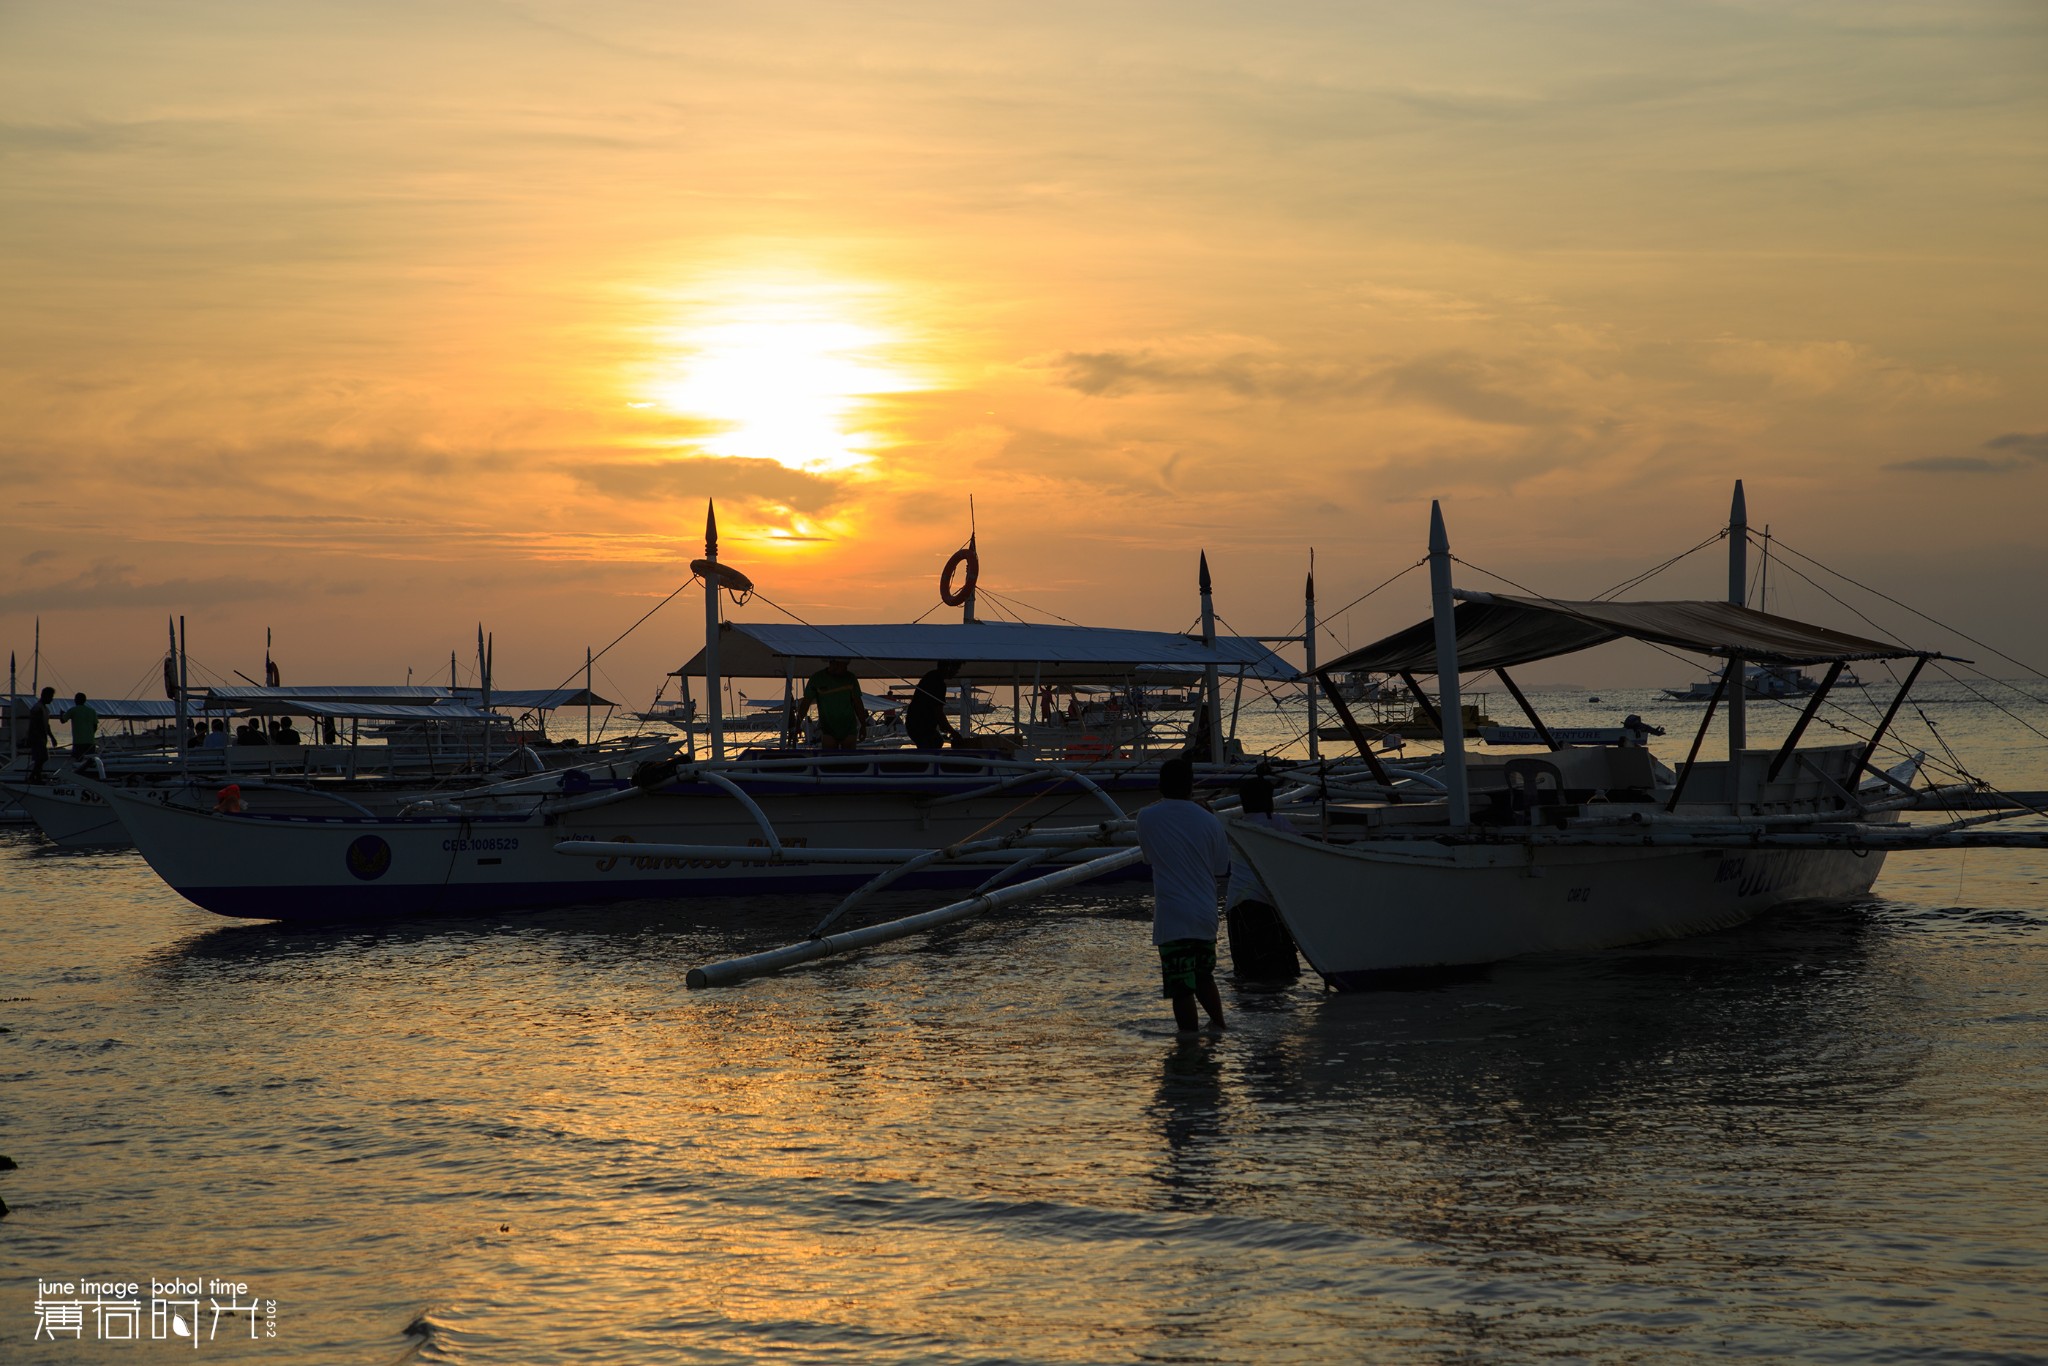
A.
pixel 826 946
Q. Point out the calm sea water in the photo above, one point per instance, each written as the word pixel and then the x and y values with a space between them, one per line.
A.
pixel 1816 1138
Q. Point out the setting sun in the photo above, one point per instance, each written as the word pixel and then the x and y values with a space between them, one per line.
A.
pixel 784 380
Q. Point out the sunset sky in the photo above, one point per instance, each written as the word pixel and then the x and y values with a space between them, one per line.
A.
pixel 366 322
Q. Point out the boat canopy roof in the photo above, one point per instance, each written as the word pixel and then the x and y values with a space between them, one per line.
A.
pixel 536 699
pixel 988 651
pixel 440 713
pixel 394 693
pixel 111 708
pixel 1496 630
pixel 396 699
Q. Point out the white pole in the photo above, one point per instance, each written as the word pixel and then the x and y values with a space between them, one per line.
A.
pixel 1738 687
pixel 713 698
pixel 1449 704
pixel 1308 642
pixel 586 695
pixel 1212 683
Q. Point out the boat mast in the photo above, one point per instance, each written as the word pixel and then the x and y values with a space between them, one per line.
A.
pixel 713 699
pixel 1449 704
pixel 1212 683
pixel 966 686
pixel 13 706
pixel 1738 680
pixel 1308 644
pixel 184 694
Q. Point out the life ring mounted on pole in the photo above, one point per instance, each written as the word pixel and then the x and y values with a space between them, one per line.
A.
pixel 724 575
pixel 968 557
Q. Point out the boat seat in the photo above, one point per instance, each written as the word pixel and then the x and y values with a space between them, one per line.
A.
pixel 1526 778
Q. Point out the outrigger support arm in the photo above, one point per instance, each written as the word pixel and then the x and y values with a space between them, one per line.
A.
pixel 1422 700
pixel 1898 698
pixel 1549 740
pixel 1358 736
pixel 1805 719
pixel 1692 756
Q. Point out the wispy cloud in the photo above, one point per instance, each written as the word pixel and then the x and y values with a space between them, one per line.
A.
pixel 2009 451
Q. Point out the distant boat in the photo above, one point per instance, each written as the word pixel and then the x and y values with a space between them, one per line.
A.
pixel 1758 681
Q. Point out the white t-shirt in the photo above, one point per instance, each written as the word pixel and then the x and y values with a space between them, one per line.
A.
pixel 1184 843
pixel 1244 883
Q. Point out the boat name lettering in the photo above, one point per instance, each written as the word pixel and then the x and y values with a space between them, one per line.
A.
pixel 1578 894
pixel 472 845
pixel 648 863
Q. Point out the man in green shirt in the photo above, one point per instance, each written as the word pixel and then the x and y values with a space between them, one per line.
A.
pixel 85 727
pixel 842 719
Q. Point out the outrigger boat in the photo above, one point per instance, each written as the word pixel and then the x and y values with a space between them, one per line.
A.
pixel 1588 847
pixel 770 819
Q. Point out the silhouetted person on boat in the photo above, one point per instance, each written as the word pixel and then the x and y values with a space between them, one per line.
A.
pixel 925 720
pixel 842 717
pixel 40 736
pixel 1184 843
pixel 285 733
pixel 218 737
pixel 1260 946
pixel 85 727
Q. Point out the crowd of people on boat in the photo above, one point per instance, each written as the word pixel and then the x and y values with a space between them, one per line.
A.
pixel 252 731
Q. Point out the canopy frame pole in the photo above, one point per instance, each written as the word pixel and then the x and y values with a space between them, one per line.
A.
pixel 1550 741
pixel 1700 737
pixel 788 701
pixel 1805 718
pixel 1898 700
pixel 1358 736
pixel 1429 711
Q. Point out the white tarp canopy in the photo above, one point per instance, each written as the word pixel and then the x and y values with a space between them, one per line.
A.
pixel 1495 631
pixel 535 699
pixel 114 708
pixel 987 651
pixel 388 693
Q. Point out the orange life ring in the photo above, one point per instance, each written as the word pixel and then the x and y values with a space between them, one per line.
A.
pixel 972 560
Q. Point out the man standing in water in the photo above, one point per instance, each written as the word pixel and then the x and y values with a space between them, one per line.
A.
pixel 842 716
pixel 1184 843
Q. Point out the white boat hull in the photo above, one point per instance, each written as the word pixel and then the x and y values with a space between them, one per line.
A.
pixel 1360 911
pixel 298 867
pixel 72 816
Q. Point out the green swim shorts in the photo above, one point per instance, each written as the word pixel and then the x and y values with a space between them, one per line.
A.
pixel 1183 962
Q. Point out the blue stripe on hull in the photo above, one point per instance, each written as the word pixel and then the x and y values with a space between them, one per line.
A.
pixel 327 905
